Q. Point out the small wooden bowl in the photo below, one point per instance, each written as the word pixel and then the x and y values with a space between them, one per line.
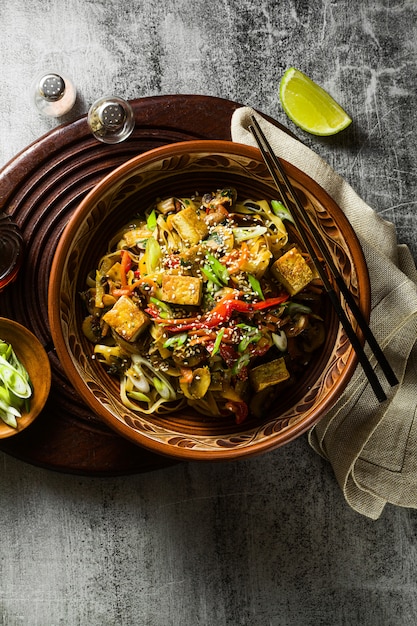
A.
pixel 33 357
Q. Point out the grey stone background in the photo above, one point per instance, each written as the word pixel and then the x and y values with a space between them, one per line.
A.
pixel 265 542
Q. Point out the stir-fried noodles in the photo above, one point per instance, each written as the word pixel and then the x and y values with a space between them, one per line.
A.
pixel 206 301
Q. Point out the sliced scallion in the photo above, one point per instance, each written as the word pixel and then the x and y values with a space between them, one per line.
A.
pixel 280 340
pixel 243 233
pixel 241 362
pixel 293 308
pixel 219 270
pixel 15 386
pixel 256 286
pixel 151 220
pixel 153 254
pixel 281 211
pixel 137 395
pixel 165 310
pixel 210 275
pixel 176 341
pixel 217 343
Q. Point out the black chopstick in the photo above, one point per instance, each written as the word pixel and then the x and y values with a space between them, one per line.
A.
pixel 283 184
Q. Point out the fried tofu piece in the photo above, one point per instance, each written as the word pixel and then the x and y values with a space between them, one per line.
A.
pixel 268 374
pixel 186 290
pixel 293 271
pixel 115 273
pixel 192 258
pixel 134 236
pixel 126 319
pixel 257 263
pixel 189 225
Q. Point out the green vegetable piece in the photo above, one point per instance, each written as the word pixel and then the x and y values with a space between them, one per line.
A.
pixel 243 233
pixel 209 274
pixel 241 362
pixel 176 341
pixel 151 220
pixel 246 341
pixel 219 270
pixel 161 388
pixel 296 307
pixel 281 211
pixel 8 418
pixel 153 254
pixel 14 380
pixel 280 340
pixel 165 310
pixel 217 343
pixel 256 286
pixel 137 395
pixel 15 386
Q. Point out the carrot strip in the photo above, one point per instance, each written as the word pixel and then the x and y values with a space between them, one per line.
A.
pixel 235 260
pixel 124 267
pixel 186 375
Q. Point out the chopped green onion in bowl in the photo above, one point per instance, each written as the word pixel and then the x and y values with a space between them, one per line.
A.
pixel 15 386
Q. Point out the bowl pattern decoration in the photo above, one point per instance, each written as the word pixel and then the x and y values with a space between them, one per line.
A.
pixel 176 170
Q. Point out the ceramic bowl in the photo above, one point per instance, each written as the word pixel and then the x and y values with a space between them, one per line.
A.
pixel 182 169
pixel 33 357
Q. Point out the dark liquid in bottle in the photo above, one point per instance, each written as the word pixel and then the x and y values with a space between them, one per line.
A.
pixel 11 250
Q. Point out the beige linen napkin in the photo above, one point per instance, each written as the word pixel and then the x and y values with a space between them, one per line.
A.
pixel 372 447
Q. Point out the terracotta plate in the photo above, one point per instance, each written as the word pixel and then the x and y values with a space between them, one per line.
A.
pixel 41 187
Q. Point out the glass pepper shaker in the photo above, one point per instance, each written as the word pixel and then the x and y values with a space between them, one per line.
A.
pixel 111 119
pixel 11 250
pixel 54 94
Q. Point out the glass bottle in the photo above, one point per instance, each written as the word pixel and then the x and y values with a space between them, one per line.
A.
pixel 54 94
pixel 11 250
pixel 111 119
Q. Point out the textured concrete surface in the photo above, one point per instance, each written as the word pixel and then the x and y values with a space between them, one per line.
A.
pixel 268 541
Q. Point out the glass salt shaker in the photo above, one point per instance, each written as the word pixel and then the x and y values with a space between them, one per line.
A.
pixel 111 119
pixel 54 94
pixel 11 250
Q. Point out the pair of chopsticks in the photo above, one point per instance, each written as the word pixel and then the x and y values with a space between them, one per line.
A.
pixel 303 224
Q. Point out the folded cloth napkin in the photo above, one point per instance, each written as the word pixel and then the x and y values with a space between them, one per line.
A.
pixel 372 447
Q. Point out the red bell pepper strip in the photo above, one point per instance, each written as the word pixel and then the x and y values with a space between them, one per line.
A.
pixel 240 409
pixel 266 304
pixel 125 267
pixel 221 314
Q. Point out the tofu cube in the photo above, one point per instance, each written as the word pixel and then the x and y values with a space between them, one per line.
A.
pixel 115 273
pixel 189 225
pixel 135 235
pixel 268 374
pixel 186 290
pixel 126 319
pixel 292 270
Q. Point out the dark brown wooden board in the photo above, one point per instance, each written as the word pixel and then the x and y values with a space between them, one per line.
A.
pixel 40 188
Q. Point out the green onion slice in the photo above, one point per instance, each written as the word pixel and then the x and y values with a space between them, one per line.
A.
pixel 256 286
pixel 281 211
pixel 219 270
pixel 151 220
pixel 176 341
pixel 217 343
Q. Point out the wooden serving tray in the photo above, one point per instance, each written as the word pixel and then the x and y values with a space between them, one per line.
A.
pixel 40 188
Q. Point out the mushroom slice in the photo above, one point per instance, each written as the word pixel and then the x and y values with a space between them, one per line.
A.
pixel 198 386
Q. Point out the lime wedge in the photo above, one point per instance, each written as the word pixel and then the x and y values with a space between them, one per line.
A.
pixel 309 106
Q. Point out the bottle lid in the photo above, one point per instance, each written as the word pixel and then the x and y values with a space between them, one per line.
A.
pixel 53 93
pixel 111 119
pixel 52 87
